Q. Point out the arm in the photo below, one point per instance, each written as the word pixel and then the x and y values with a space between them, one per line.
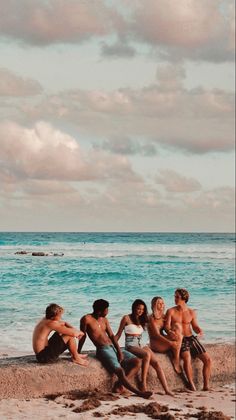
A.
pixel 167 325
pixel 121 327
pixel 62 329
pixel 114 341
pixel 195 325
pixel 83 328
pixel 68 325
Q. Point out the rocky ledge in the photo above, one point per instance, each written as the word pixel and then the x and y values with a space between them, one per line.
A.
pixel 23 377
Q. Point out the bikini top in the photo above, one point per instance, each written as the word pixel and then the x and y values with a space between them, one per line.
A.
pixel 133 329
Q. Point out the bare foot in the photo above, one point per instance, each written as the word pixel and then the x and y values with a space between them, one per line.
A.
pixel 80 361
pixel 118 388
pixel 146 394
pixel 142 386
pixel 168 392
pixel 207 388
pixel 191 387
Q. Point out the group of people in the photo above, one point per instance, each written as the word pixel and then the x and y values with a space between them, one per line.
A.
pixel 168 332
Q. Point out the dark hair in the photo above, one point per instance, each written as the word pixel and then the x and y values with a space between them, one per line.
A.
pixel 139 320
pixel 100 305
pixel 53 310
pixel 183 293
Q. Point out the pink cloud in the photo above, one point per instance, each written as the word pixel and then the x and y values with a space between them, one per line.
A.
pixel 202 29
pixel 166 113
pixel 43 152
pixel 177 183
pixel 54 21
pixel 13 85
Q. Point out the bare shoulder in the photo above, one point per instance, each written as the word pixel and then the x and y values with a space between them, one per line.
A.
pixel 191 312
pixel 85 319
pixel 170 311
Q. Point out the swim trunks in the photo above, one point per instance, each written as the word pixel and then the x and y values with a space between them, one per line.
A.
pixel 193 345
pixel 52 351
pixel 108 357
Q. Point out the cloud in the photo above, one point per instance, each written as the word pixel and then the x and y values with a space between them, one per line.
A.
pixel 13 85
pixel 118 49
pixel 126 146
pixel 173 29
pixel 166 113
pixel 55 21
pixel 45 153
pixel 180 29
pixel 177 183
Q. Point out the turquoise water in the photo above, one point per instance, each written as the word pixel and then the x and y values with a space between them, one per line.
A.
pixel 118 267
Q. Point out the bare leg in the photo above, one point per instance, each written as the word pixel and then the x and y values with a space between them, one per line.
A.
pixel 206 371
pixel 160 374
pixel 188 369
pixel 71 343
pixel 145 354
pixel 124 380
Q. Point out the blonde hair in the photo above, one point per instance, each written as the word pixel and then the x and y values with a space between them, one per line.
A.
pixel 53 310
pixel 153 305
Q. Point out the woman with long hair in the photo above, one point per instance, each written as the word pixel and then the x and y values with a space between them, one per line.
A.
pixel 158 341
pixel 133 325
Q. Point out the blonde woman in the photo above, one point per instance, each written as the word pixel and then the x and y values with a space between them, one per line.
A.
pixel 160 342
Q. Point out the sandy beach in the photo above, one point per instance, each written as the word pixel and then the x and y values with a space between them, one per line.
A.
pixel 218 405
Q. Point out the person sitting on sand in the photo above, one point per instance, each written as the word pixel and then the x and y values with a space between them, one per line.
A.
pixel 48 350
pixel 124 364
pixel 133 325
pixel 158 341
pixel 191 346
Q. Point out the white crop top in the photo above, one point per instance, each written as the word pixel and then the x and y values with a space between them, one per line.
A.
pixel 133 329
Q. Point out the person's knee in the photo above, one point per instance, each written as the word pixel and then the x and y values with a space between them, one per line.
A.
pixel 147 356
pixel 66 338
pixel 207 360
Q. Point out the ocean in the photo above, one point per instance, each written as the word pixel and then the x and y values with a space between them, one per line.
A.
pixel 118 267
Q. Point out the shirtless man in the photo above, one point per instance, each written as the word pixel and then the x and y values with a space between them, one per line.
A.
pixel 183 315
pixel 124 364
pixel 48 350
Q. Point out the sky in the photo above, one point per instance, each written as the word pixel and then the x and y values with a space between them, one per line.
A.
pixel 117 115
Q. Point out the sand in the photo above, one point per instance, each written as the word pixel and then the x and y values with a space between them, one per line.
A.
pixel 215 405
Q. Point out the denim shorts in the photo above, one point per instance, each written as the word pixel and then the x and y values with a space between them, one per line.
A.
pixel 108 357
pixel 133 341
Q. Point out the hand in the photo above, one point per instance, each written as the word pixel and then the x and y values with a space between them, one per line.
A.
pixel 200 334
pixel 172 335
pixel 78 334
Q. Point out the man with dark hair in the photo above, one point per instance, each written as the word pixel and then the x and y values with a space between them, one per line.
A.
pixel 124 364
pixel 48 349
pixel 186 317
